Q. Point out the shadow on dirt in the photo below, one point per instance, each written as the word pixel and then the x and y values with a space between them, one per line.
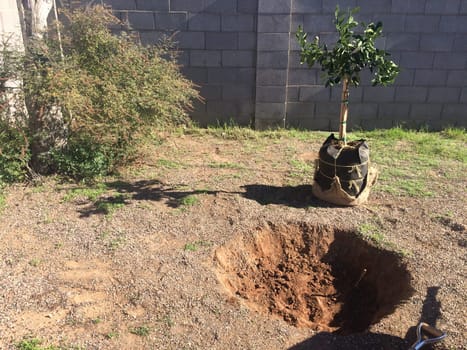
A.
pixel 292 196
pixel 155 190
pixel 150 190
pixel 173 196
pixel 367 341
pixel 431 311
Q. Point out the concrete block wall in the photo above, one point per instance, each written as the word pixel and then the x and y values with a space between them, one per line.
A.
pixel 425 37
pixel 244 56
pixel 272 63
pixel 217 43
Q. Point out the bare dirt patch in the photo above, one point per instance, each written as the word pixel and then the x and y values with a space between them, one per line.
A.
pixel 314 276
pixel 143 274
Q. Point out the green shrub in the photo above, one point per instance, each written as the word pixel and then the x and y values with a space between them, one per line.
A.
pixel 14 153
pixel 110 89
pixel 82 159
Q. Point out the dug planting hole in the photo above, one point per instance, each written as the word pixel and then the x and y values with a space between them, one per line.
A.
pixel 314 276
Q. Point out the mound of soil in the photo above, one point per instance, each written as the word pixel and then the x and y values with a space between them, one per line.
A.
pixel 314 276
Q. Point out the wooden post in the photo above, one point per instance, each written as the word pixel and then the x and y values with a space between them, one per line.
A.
pixel 344 110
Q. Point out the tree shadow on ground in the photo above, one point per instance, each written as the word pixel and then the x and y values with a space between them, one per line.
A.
pixel 150 190
pixel 104 206
pixel 155 190
pixel 293 196
pixel 172 195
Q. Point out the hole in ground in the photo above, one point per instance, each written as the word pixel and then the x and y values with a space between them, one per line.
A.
pixel 314 276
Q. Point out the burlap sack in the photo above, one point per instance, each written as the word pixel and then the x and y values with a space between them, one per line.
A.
pixel 336 195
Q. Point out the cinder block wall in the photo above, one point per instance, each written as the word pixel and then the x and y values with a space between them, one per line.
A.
pixel 217 43
pixel 427 38
pixel 244 56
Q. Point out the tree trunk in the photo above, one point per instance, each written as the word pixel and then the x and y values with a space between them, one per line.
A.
pixel 344 110
pixel 12 107
pixel 46 123
pixel 40 10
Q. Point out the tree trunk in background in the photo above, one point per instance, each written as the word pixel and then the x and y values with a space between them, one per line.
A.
pixel 46 123
pixel 40 10
pixel 12 107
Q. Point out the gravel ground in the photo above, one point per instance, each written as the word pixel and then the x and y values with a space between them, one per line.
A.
pixel 136 268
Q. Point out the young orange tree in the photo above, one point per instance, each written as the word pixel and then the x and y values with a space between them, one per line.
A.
pixel 353 52
pixel 342 173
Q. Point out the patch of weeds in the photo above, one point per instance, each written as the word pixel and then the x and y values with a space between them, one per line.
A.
pixel 2 200
pixel 229 131
pixel 372 232
pixel 402 180
pixel 300 170
pixel 405 253
pixel 90 193
pixel 226 165
pixel 415 188
pixel 96 320
pixel 455 134
pixel 115 243
pixel 166 320
pixel 194 246
pixel 407 158
pixel 225 177
pixel 399 182
pixel 190 247
pixel 104 234
pixel 38 188
pixel 168 164
pixel 301 166
pixel 112 241
pixel 189 201
pixel 33 344
pixel 108 206
pixel 34 262
pixel 142 331
pixel 47 219
pixel 112 335
pixel 306 135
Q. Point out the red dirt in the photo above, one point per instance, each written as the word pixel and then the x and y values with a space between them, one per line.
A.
pixel 314 276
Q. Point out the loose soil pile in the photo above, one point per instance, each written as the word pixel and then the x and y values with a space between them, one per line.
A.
pixel 170 254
